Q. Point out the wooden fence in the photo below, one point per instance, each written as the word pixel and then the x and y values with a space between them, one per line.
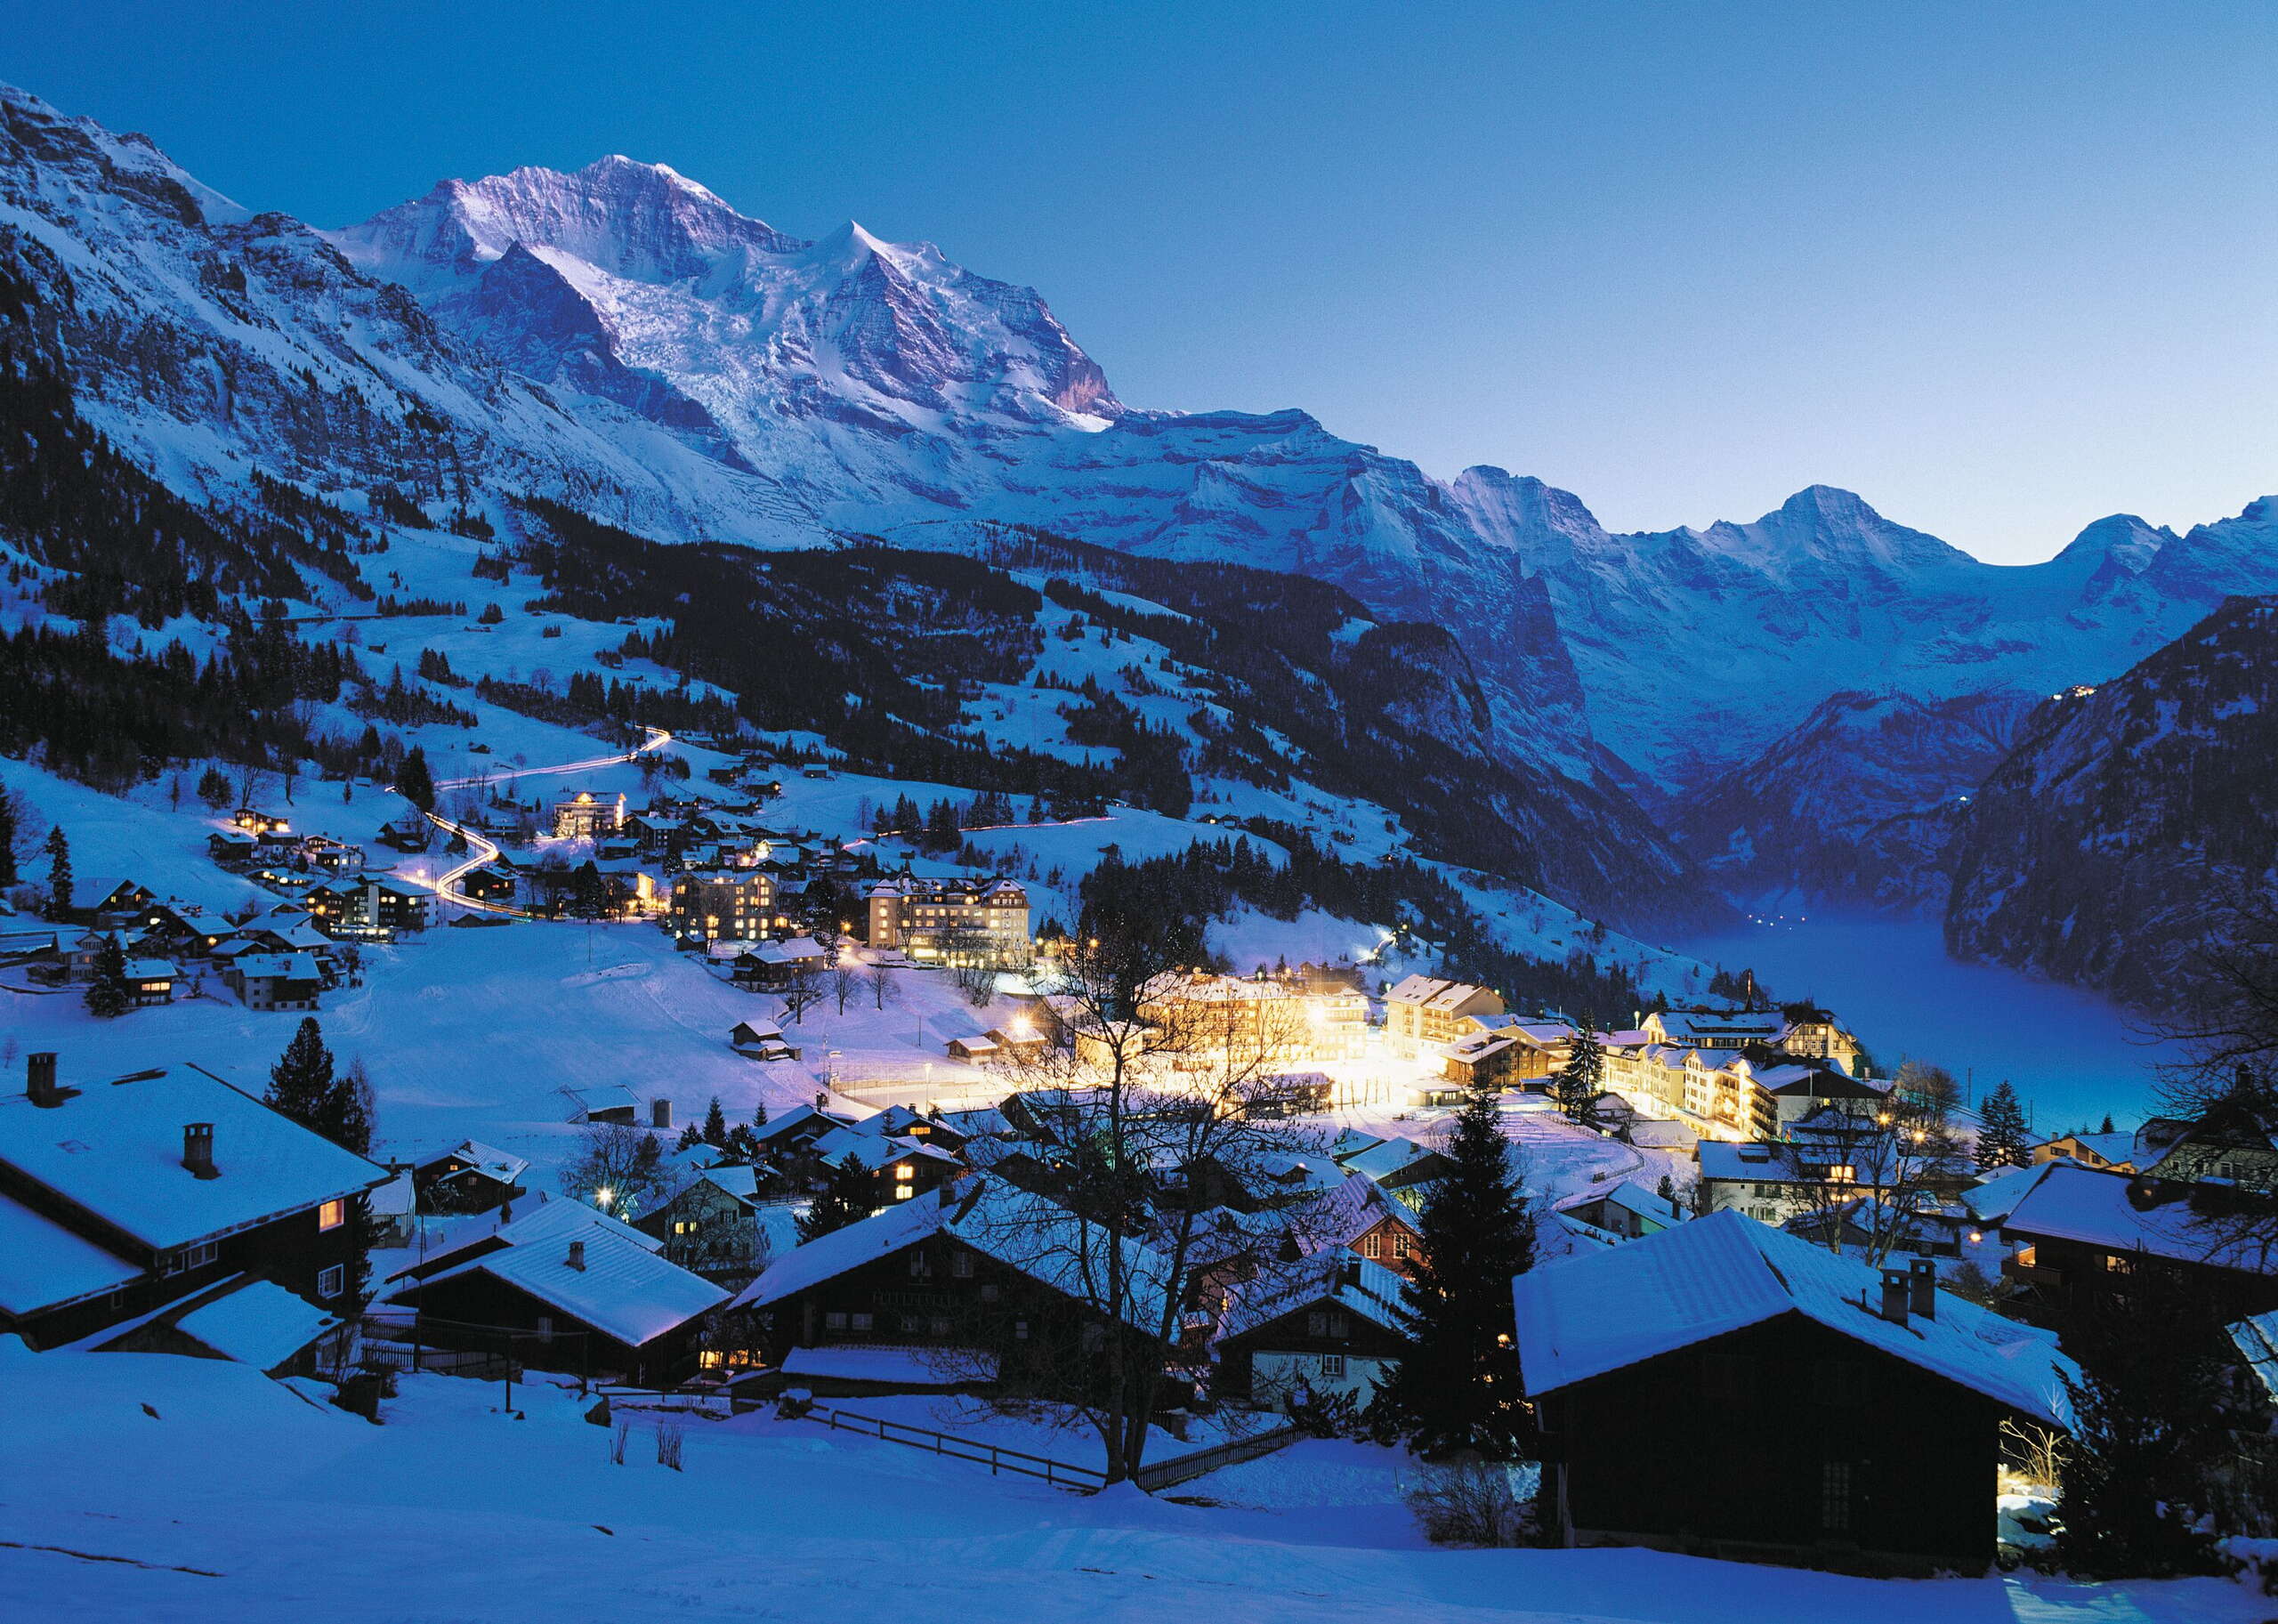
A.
pixel 1153 1477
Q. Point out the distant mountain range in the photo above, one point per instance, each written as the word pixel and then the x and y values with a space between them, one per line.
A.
pixel 620 340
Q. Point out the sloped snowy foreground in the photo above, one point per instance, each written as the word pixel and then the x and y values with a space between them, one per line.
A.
pixel 238 1499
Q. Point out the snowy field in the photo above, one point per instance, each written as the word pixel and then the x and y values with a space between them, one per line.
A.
pixel 238 1500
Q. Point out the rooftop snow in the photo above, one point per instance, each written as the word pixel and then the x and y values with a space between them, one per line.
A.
pixel 260 1324
pixel 43 1264
pixel 2070 1203
pixel 623 1290
pixel 116 1149
pixel 1604 1311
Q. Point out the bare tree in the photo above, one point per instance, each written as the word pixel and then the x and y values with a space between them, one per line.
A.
pixel 844 977
pixel 1869 1173
pixel 620 1169
pixel 976 982
pixel 884 988
pixel 1154 1138
pixel 801 991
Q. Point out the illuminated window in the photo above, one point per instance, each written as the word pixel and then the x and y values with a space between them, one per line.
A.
pixel 332 1214
pixel 905 1172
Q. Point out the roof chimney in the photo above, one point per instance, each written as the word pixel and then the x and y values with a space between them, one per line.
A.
pixel 197 1150
pixel 1922 1288
pixel 578 1256
pixel 660 1113
pixel 39 1080
pixel 1894 1296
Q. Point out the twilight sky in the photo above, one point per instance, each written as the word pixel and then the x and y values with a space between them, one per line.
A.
pixel 2002 270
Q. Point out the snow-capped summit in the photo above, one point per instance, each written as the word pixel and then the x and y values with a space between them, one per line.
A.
pixel 727 316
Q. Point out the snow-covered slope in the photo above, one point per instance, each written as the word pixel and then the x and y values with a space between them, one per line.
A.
pixel 621 339
pixel 2136 821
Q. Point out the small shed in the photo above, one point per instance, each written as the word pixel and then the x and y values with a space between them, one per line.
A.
pixel 611 1103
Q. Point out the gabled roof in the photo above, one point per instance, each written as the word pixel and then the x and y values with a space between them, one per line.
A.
pixel 503 1166
pixel 1366 1288
pixel 2124 1214
pixel 1383 1161
pixel 624 1289
pixel 278 966
pixel 1604 1311
pixel 115 1150
pixel 260 1323
pixel 1021 1230
pixel 1430 992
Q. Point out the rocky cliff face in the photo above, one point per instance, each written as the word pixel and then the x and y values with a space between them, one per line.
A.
pixel 2135 820
pixel 1855 807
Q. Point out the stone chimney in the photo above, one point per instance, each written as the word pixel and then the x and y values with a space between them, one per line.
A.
pixel 1922 1288
pixel 39 1080
pixel 197 1150
pixel 578 1256
pixel 660 1113
pixel 1895 1291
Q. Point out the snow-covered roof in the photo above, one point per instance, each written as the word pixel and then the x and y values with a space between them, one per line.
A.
pixel 395 1197
pixel 278 966
pixel 625 1291
pixel 608 1097
pixel 1021 1230
pixel 1720 1026
pixel 552 1220
pixel 1430 992
pixel 1381 1161
pixel 1344 1213
pixel 1631 1196
pixel 1607 1310
pixel 2074 1203
pixel 43 1264
pixel 918 1366
pixel 1368 1289
pixel 116 1149
pixel 151 970
pixel 873 1151
pixel 1998 1196
pixel 260 1324
pixel 490 1162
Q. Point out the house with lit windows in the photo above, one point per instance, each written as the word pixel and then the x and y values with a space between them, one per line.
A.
pixel 1830 1413
pixel 588 816
pixel 1328 1325
pixel 726 905
pixel 132 1199
pixel 1422 1012
pixel 972 922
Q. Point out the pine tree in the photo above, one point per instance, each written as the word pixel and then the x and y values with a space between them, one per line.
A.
pixel 345 1116
pixel 2107 1128
pixel 588 892
pixel 301 1082
pixel 759 1114
pixel 846 1198
pixel 107 996
pixel 59 875
pixel 1457 1388
pixel 715 1125
pixel 415 782
pixel 2149 1427
pixel 214 787
pixel 11 831
pixel 1582 1079
pixel 2003 1140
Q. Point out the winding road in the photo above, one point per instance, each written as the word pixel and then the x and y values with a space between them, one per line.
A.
pixel 482 850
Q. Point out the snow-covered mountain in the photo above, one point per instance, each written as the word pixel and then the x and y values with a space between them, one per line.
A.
pixel 622 340
pixel 2136 821
pixel 1857 805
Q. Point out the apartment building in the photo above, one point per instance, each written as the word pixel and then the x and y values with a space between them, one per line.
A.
pixel 976 921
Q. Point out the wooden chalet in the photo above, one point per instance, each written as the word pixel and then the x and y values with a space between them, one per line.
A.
pixel 565 1289
pixel 2084 1237
pixel 1724 1389
pixel 471 1177
pixel 1325 1325
pixel 122 1198
pixel 970 1285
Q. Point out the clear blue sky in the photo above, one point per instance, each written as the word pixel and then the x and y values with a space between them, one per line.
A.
pixel 2001 269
